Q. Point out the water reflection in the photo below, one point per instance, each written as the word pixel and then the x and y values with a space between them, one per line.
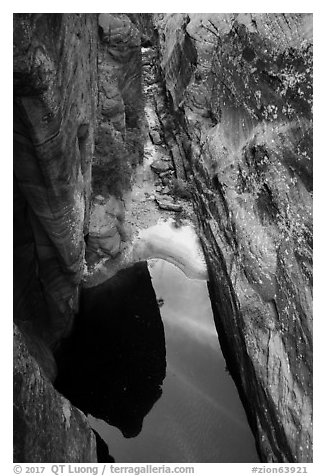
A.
pixel 113 364
pixel 199 417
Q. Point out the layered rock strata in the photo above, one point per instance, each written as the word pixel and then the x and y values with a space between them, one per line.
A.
pixel 55 91
pixel 244 104
pixel 233 117
pixel 47 428
pixel 77 99
pixel 119 141
pixel 119 134
pixel 55 96
pixel 106 228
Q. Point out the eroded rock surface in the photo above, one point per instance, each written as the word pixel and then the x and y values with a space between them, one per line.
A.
pixel 55 95
pixel 229 105
pixel 119 133
pixel 244 106
pixel 48 429
pixel 55 90
pixel 106 227
pixel 119 136
pixel 180 247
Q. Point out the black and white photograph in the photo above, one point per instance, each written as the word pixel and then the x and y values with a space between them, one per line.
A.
pixel 162 239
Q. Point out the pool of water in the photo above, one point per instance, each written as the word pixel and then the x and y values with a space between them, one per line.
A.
pixel 199 416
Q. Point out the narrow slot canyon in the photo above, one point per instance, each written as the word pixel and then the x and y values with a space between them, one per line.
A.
pixel 199 416
pixel 163 238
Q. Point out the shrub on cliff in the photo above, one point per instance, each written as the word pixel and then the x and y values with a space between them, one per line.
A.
pixel 111 171
pixel 180 188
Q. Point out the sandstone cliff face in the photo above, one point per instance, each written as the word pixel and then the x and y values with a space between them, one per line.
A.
pixel 119 143
pixel 77 104
pixel 238 125
pixel 48 429
pixel 119 138
pixel 55 92
pixel 243 108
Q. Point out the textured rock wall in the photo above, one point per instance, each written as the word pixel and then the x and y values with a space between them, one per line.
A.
pixel 240 129
pixel 55 96
pixel 119 142
pixel 47 428
pixel 119 133
pixel 77 97
pixel 55 93
pixel 244 115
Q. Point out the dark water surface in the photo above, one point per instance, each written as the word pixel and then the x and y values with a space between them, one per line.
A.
pixel 113 364
pixel 199 417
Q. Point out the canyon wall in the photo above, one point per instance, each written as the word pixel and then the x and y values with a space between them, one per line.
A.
pixel 78 129
pixel 119 143
pixel 236 116
pixel 55 97
pixel 239 92
pixel 47 427
pixel 119 140
pixel 55 100
pixel 76 77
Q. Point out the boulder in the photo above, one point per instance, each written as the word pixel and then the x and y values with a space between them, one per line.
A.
pixel 106 230
pixel 169 205
pixel 155 137
pixel 166 190
pixel 161 166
